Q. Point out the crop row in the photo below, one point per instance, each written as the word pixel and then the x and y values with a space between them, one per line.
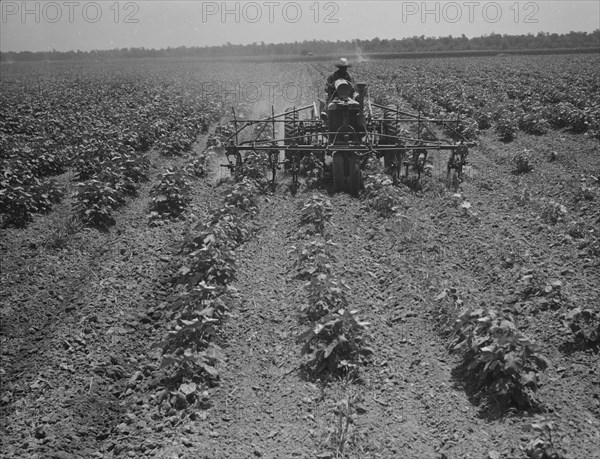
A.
pixel 189 350
pixel 171 195
pixel 336 341
pixel 498 361
pixel 99 129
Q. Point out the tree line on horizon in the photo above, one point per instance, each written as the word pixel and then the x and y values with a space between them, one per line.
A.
pixel 417 44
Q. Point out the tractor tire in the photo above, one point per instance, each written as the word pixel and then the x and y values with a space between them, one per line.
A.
pixel 347 174
pixel 337 172
pixel 355 174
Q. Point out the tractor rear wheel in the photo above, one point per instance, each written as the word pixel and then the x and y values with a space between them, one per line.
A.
pixel 346 171
pixel 337 171
pixel 355 174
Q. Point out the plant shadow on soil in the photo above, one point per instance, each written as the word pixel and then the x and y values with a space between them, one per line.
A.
pixel 490 408
pixel 579 345
pixel 103 226
pixel 325 378
pixel 173 382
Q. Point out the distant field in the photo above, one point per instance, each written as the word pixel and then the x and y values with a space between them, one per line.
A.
pixel 410 55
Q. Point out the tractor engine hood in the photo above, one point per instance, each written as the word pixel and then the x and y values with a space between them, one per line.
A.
pixel 343 96
pixel 343 89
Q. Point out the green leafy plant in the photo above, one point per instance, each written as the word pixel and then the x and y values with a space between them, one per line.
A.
pixel 256 164
pixel 213 262
pixel 316 212
pixel 196 165
pixel 534 122
pixel 96 199
pixel 220 135
pixel 207 269
pixel 63 227
pixel 544 445
pixel 583 323
pixel 591 243
pixel 346 411
pixel 523 162
pixel 484 119
pixel 507 127
pixel 178 141
pixel 532 282
pixel 189 345
pixel 135 167
pixel 498 360
pixel 576 229
pixel 466 129
pixel 22 195
pixel 337 343
pixel 552 212
pixel 312 166
pixel 170 196
pixel 450 304
pixel 243 196
pixel 313 258
pixel 325 295
pixel 209 249
pixel 229 226
pixel 189 351
pixel 381 195
pixel 373 165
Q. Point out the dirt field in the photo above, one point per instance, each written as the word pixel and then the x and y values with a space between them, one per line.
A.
pixel 81 379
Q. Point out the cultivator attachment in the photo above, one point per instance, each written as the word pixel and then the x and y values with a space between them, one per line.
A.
pixel 340 136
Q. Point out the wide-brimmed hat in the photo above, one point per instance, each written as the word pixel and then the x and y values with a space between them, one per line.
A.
pixel 343 63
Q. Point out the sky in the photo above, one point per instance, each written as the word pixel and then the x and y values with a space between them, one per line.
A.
pixel 86 25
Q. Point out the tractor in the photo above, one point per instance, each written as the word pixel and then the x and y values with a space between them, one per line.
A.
pixel 343 132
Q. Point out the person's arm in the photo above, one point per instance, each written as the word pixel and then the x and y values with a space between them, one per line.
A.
pixel 329 84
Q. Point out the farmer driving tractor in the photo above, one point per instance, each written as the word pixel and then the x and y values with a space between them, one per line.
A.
pixel 340 74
